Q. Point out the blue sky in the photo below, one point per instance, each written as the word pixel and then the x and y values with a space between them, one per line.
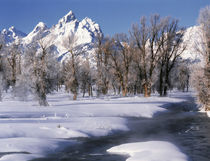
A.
pixel 114 16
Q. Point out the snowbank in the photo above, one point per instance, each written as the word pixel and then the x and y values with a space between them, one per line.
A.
pixel 202 110
pixel 19 157
pixel 148 151
pixel 23 149
pixel 29 131
pixel 208 113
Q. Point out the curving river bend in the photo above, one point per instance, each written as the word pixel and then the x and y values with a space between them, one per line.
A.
pixel 182 125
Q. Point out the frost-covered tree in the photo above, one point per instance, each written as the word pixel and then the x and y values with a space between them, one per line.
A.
pixel 121 58
pixel 147 37
pixel 86 78
pixel 71 65
pixel 13 57
pixel 3 67
pixel 1 72
pixel 183 77
pixel 171 48
pixel 203 86
pixel 40 72
pixel 140 35
pixel 102 57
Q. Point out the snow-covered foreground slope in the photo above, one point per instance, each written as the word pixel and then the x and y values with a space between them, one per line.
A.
pixel 28 131
pixel 150 151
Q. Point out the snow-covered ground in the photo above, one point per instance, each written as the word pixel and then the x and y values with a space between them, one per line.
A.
pixel 28 131
pixel 202 110
pixel 149 151
pixel 208 113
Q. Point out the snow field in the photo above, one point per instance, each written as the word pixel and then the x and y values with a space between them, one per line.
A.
pixel 208 113
pixel 149 151
pixel 28 131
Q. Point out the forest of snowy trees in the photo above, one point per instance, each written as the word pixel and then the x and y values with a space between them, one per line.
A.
pixel 146 60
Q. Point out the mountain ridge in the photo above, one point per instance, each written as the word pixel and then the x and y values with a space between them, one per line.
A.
pixel 86 31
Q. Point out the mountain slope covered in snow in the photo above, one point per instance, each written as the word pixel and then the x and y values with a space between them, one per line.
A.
pixel 11 35
pixel 193 39
pixel 85 33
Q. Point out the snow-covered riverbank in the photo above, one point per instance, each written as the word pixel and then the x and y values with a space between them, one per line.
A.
pixel 149 151
pixel 29 131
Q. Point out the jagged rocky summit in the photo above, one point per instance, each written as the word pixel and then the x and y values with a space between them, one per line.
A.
pixel 85 32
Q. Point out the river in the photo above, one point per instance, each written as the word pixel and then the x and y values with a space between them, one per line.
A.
pixel 182 125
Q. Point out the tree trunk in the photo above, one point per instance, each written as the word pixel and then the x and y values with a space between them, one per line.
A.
pixel 166 83
pixel 161 82
pixel 124 89
pixel 119 89
pixel 83 95
pixel 124 92
pixel 149 89
pixel 43 99
pixel 135 89
pixel 207 75
pixel 188 78
pixel 90 90
pixel 114 89
pixel 75 96
pixel 145 90
pixel 165 90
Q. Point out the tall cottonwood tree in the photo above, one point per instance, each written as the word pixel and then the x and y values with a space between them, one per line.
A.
pixel 121 58
pixel 204 80
pixel 71 66
pixel 40 71
pixel 102 57
pixel 2 74
pixel 13 57
pixel 86 78
pixel 171 48
pixel 147 37
pixel 183 77
pixel 140 36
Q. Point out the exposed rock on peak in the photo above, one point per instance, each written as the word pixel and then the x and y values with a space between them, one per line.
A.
pixel 67 18
pixel 12 35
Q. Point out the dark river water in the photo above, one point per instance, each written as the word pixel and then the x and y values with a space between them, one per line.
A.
pixel 182 125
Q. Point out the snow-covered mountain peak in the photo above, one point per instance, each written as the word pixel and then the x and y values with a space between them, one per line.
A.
pixel 4 31
pixel 193 39
pixel 11 35
pixel 39 27
pixel 67 18
pixel 12 28
pixel 89 23
pixel 84 31
pixel 39 31
pixel 88 20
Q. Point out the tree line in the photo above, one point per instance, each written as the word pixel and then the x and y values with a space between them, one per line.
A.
pixel 146 60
